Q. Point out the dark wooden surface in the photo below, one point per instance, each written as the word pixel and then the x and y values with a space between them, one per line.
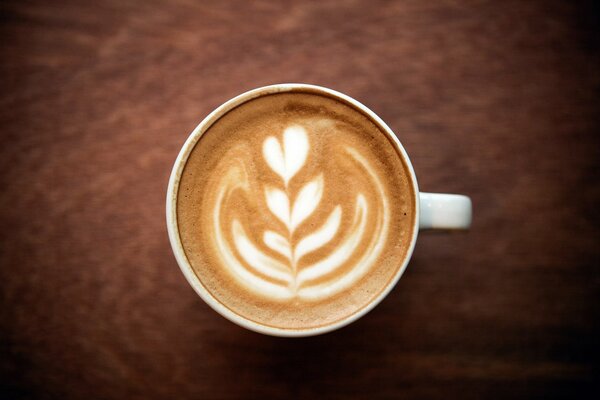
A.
pixel 498 100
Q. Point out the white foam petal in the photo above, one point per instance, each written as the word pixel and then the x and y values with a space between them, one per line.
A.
pixel 295 148
pixel 321 236
pixel 307 201
pixel 274 156
pixel 255 258
pixel 279 204
pixel 345 250
pixel 278 243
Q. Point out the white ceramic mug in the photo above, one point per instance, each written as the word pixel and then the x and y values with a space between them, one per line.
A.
pixel 433 210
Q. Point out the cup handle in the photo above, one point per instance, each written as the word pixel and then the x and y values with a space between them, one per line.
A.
pixel 444 211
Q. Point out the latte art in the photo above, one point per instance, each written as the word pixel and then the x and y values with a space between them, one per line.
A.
pixel 295 210
pixel 284 275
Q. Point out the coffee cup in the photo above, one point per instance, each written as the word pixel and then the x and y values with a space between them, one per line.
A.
pixel 293 210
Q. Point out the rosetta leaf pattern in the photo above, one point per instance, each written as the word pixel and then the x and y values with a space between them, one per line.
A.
pixel 286 159
pixel 276 273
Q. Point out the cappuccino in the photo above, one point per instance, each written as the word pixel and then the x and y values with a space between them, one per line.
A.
pixel 295 210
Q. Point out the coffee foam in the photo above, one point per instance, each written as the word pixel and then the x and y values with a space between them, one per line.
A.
pixel 295 210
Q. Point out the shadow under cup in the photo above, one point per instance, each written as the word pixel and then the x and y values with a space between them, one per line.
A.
pixel 292 210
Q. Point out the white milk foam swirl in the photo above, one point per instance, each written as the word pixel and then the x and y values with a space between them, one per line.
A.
pixel 250 265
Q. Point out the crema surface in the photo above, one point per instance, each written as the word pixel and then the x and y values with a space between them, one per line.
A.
pixel 295 210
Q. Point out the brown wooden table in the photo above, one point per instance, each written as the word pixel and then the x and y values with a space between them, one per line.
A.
pixel 498 100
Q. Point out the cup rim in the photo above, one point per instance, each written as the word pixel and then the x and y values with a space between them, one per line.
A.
pixel 171 209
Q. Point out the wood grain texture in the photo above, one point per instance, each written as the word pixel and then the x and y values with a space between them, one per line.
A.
pixel 498 100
